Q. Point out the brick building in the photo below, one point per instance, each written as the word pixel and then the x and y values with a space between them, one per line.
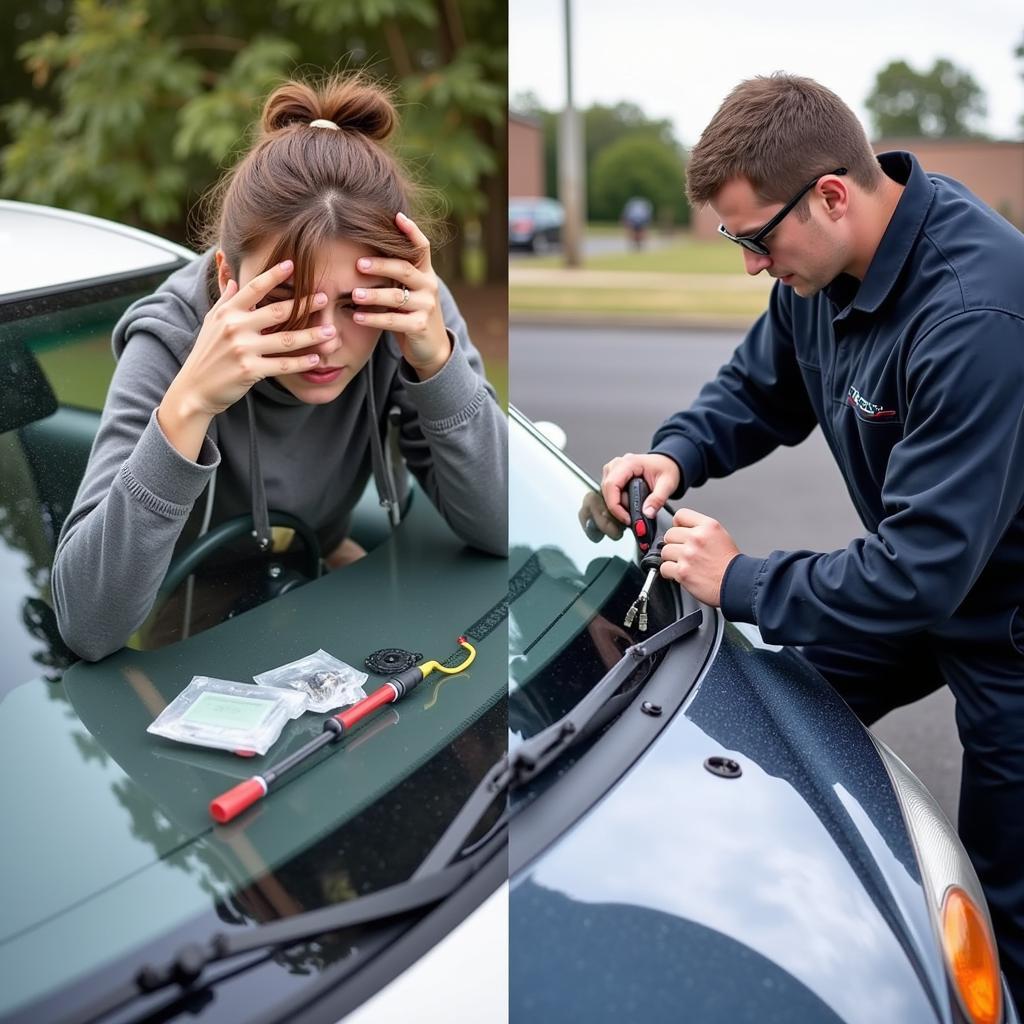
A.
pixel 525 156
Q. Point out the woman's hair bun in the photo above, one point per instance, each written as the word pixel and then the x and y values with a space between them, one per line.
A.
pixel 352 102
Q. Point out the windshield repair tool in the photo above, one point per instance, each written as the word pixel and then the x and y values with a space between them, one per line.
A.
pixel 389 660
pixel 230 804
pixel 652 563
pixel 644 529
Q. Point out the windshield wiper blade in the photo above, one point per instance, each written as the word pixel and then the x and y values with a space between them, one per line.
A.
pixel 438 875
pixel 532 756
pixel 419 893
pixel 536 753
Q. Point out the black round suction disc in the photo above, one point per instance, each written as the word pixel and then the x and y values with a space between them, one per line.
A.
pixel 389 661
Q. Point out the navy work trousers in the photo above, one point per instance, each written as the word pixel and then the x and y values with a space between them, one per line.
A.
pixel 875 675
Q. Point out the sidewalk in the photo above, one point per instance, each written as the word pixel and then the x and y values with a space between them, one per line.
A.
pixel 563 277
pixel 560 296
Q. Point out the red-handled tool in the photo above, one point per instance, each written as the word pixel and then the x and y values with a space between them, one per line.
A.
pixel 643 528
pixel 230 804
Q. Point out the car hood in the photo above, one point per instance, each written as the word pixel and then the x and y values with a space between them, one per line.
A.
pixel 110 844
pixel 788 893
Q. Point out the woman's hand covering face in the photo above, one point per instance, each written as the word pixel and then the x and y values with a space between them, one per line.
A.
pixel 411 308
pixel 231 352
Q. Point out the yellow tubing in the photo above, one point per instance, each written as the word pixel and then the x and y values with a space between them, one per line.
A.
pixel 436 666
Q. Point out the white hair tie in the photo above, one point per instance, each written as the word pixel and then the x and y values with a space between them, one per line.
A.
pixel 322 122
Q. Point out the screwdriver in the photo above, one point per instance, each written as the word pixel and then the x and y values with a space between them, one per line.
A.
pixel 644 529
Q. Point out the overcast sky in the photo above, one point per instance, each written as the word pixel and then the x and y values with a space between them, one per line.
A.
pixel 677 60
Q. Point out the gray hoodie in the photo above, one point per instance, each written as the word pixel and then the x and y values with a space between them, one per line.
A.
pixel 270 449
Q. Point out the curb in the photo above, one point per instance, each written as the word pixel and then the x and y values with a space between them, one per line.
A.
pixel 691 321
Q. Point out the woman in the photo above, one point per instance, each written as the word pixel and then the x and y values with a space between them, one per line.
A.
pixel 262 374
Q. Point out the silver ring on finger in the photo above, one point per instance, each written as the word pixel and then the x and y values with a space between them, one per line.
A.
pixel 405 296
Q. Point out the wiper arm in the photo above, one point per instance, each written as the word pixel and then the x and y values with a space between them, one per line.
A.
pixel 435 879
pixel 420 892
pixel 534 755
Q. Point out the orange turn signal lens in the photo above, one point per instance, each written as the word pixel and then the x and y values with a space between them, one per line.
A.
pixel 972 958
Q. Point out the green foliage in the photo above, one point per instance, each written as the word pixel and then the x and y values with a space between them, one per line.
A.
pixel 343 15
pixel 638 165
pixel 213 124
pixel 603 127
pixel 102 151
pixel 945 102
pixel 134 107
pixel 444 142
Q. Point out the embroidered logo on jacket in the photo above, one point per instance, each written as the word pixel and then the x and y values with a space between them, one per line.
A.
pixel 867 409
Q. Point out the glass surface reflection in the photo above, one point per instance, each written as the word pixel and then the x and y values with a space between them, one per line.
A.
pixel 578 566
pixel 57 363
pixel 85 777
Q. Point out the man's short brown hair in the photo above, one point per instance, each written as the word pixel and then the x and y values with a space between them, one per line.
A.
pixel 778 131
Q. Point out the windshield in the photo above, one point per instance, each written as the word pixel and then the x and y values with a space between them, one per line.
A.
pixel 569 631
pixel 84 780
pixel 56 358
pixel 56 351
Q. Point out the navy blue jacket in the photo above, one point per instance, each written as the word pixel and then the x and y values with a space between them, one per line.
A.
pixel 916 376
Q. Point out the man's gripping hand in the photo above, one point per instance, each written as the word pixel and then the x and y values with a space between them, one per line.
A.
pixel 661 473
pixel 697 551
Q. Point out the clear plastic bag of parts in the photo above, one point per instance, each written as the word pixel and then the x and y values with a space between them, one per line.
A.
pixel 227 715
pixel 327 682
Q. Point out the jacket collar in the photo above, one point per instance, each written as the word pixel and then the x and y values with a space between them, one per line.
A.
pixel 899 238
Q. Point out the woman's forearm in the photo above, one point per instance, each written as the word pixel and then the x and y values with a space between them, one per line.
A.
pixel 131 506
pixel 183 423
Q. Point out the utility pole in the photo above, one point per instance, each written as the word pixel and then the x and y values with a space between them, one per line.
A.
pixel 571 182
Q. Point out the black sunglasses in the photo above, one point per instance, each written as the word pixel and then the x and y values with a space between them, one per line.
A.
pixel 755 242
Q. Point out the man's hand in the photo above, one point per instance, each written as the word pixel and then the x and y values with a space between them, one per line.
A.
pixel 697 551
pixel 597 521
pixel 660 472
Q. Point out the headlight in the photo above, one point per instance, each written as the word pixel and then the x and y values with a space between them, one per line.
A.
pixel 955 898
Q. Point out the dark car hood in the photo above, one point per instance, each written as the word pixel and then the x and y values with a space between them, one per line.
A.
pixel 789 893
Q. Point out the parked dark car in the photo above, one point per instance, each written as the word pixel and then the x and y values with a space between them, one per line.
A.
pixel 535 224
pixel 115 878
pixel 701 829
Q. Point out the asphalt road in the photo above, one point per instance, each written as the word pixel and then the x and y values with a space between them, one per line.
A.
pixel 609 389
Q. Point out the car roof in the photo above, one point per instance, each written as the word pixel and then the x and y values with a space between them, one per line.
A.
pixel 56 247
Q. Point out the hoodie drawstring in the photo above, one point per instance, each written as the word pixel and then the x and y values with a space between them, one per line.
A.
pixel 260 512
pixel 386 492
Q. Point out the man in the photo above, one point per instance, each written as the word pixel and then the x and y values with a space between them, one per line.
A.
pixel 896 323
pixel 636 215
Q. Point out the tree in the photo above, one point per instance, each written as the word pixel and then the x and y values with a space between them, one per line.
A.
pixel 1019 53
pixel 945 102
pixel 602 127
pixel 638 165
pixel 605 125
pixel 137 106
